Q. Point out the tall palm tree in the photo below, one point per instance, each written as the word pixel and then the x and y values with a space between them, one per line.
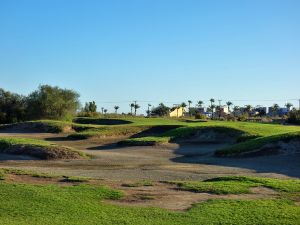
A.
pixel 190 102
pixel 229 103
pixel 275 109
pixel 200 103
pixel 136 106
pixel 183 105
pixel 102 110
pixel 148 111
pixel 116 108
pixel 211 107
pixel 289 106
pixel 131 107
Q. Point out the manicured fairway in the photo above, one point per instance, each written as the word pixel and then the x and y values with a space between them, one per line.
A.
pixel 51 204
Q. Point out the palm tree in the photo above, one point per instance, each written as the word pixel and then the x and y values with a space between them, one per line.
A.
pixel 190 102
pixel 229 103
pixel 289 106
pixel 211 107
pixel 148 111
pixel 105 111
pixel 131 107
pixel 275 109
pixel 116 108
pixel 102 110
pixel 183 105
pixel 136 106
pixel 200 103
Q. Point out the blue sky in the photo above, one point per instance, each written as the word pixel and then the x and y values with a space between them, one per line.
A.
pixel 153 50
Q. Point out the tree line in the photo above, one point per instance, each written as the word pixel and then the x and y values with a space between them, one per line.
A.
pixel 46 102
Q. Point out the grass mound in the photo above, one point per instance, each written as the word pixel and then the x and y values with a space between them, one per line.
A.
pixel 100 121
pixel 239 185
pixel 202 134
pixel 108 131
pixel 37 148
pixel 144 141
pixel 259 145
pixel 47 126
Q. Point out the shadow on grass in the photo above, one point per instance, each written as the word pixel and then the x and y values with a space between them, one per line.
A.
pixel 98 121
pixel 288 165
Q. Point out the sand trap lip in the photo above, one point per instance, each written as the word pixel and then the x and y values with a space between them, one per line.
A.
pixel 285 148
pixel 5 157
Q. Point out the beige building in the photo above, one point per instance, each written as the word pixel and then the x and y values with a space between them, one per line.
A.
pixel 177 112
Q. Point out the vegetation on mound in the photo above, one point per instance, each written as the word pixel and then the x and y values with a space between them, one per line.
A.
pixel 239 185
pixel 256 144
pixel 37 148
pixel 108 131
pixel 144 141
pixel 81 204
pixel 100 121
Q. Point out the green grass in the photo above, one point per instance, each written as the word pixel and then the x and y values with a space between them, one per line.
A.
pixel 256 143
pixel 250 135
pixel 83 204
pixel 108 131
pixel 37 148
pixel 145 141
pixel 239 185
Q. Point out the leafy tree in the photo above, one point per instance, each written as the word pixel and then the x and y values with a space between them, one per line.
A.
pixel 90 107
pixel 248 109
pixel 12 107
pixel 52 103
pixel 236 109
pixel 116 109
pixel 105 111
pixel 161 110
pixel 294 117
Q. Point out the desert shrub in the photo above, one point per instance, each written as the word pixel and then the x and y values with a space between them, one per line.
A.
pixel 200 116
pixel 243 117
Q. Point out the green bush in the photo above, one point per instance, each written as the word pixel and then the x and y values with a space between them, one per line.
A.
pixel 200 116
pixel 294 117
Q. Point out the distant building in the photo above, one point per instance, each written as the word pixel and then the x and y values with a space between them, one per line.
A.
pixel 177 112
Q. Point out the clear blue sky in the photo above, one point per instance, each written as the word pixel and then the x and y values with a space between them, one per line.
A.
pixel 153 50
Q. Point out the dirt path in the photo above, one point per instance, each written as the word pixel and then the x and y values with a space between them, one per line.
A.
pixel 176 162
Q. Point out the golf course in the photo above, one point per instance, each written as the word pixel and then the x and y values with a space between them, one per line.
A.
pixel 135 170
